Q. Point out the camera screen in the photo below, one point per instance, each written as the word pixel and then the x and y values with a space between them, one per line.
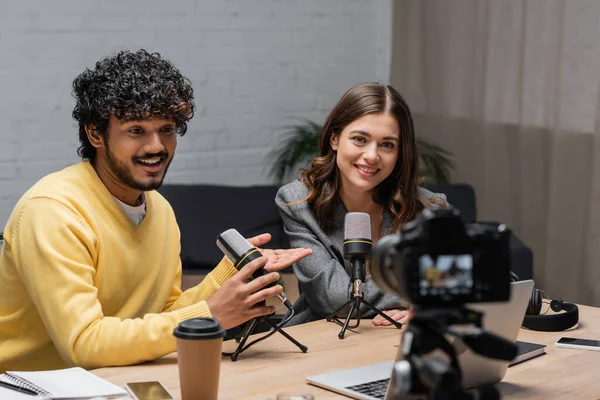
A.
pixel 446 275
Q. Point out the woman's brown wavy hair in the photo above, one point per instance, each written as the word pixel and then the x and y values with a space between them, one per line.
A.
pixel 399 192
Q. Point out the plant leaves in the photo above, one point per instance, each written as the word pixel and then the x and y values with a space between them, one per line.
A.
pixel 436 163
pixel 300 143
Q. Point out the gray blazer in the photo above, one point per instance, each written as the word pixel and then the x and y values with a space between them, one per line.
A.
pixel 324 276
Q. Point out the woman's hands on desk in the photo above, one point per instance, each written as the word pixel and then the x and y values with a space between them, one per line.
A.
pixel 402 316
pixel 236 300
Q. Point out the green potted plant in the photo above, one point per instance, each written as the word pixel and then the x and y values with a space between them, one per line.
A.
pixel 301 144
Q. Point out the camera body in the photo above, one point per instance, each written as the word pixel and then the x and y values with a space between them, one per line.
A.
pixel 438 260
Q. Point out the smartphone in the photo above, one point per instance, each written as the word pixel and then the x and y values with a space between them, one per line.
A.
pixel 576 343
pixel 148 391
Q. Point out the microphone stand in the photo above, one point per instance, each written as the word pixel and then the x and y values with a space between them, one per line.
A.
pixel 358 277
pixel 240 252
pixel 251 325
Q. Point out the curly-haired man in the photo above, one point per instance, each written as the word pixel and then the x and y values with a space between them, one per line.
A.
pixel 90 270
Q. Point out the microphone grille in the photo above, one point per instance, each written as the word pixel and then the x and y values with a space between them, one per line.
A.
pixel 233 245
pixel 357 226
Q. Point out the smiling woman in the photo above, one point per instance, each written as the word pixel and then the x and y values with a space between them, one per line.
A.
pixel 369 163
pixel 367 151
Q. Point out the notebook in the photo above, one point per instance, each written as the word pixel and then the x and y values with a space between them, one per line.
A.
pixel 69 383
pixel 528 351
pixel 370 382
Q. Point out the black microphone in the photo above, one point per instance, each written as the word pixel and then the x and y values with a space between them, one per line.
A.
pixel 240 252
pixel 357 244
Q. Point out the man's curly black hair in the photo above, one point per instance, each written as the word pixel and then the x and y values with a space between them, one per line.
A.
pixel 130 86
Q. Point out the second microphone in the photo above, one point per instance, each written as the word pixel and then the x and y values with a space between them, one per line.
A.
pixel 240 252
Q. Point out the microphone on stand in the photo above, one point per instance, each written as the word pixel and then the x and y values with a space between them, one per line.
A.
pixel 357 246
pixel 240 252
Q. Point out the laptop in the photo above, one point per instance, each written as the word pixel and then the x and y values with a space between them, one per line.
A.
pixel 370 382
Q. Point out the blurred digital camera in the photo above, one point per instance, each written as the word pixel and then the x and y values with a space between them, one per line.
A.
pixel 438 260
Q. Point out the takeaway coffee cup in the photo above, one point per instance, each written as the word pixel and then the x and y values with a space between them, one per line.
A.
pixel 199 342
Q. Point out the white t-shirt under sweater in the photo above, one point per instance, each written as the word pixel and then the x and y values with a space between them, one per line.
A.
pixel 135 213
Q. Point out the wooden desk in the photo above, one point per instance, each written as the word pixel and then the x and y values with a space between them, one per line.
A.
pixel 276 365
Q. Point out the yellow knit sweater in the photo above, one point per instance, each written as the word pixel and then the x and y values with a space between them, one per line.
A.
pixel 80 284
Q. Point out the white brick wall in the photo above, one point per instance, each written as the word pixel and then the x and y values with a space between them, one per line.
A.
pixel 255 66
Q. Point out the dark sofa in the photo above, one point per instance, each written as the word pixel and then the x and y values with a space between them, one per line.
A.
pixel 204 211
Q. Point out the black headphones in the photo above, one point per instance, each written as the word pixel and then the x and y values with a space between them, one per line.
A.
pixel 552 322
